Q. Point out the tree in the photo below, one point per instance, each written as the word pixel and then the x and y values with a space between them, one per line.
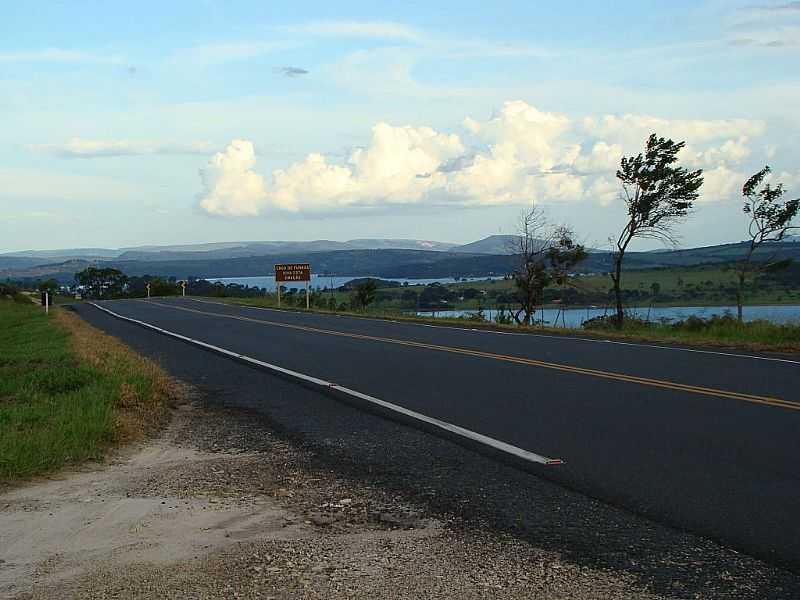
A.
pixel 655 289
pixel 365 293
pixel 563 256
pixel 770 220
pixel 530 275
pixel 51 286
pixel 545 255
pixel 658 195
pixel 102 283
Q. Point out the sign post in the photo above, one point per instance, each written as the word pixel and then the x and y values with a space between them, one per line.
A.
pixel 293 272
pixel 148 289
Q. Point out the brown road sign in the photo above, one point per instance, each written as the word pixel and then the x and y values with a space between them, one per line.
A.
pixel 293 272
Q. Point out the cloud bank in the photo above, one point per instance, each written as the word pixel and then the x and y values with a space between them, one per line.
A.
pixel 520 154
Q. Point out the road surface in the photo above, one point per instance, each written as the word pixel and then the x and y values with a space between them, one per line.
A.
pixel 707 441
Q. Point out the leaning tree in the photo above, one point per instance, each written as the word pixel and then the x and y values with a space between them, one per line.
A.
pixel 658 194
pixel 770 219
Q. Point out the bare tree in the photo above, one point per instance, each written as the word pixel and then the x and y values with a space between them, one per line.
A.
pixel 658 195
pixel 544 255
pixel 770 220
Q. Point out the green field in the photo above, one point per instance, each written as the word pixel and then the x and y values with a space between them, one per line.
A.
pixel 68 392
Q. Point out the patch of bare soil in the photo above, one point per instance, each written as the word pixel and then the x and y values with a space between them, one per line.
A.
pixel 193 514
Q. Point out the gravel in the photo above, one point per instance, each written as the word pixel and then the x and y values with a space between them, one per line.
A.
pixel 339 537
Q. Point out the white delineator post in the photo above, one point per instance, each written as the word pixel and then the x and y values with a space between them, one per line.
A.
pixel 47 303
pixel 308 305
pixel 148 290
pixel 279 294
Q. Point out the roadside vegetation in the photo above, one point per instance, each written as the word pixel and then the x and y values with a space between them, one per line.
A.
pixel 718 330
pixel 68 393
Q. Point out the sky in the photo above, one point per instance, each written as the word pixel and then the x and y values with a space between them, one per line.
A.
pixel 125 124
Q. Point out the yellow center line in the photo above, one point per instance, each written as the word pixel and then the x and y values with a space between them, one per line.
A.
pixel 672 385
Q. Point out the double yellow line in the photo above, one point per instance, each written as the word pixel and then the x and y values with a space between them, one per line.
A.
pixel 670 385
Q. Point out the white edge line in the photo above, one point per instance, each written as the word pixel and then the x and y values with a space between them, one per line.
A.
pixel 540 335
pixel 444 425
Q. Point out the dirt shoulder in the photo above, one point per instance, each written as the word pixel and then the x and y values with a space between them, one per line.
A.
pixel 215 507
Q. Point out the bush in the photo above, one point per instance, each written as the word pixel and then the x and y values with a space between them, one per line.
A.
pixel 691 323
pixel 605 322
pixel 6 289
pixel 504 317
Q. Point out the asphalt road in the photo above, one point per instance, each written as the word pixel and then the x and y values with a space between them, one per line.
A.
pixel 704 441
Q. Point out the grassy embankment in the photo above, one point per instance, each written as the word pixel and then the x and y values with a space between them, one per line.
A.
pixel 69 392
pixel 719 332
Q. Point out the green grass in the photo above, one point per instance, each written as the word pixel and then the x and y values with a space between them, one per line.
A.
pixel 755 336
pixel 68 392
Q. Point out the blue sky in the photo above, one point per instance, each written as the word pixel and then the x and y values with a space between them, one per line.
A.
pixel 218 121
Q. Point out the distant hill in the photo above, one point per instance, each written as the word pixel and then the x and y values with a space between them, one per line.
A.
pixel 220 250
pixel 65 254
pixel 258 258
pixel 494 244
pixel 398 244
pixel 377 263
pixel 63 271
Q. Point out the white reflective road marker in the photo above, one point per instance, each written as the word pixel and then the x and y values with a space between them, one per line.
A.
pixel 437 423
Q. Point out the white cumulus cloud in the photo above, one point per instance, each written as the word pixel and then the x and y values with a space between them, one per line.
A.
pixel 230 186
pixel 634 128
pixel 518 155
pixel 401 165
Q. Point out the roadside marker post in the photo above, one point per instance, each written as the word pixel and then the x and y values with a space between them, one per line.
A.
pixel 308 305
pixel 47 303
pixel 148 290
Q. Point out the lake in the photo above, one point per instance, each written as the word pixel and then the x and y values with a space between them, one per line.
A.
pixel 574 317
pixel 325 281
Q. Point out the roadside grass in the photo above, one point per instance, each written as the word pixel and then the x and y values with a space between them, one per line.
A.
pixel 756 336
pixel 752 335
pixel 68 392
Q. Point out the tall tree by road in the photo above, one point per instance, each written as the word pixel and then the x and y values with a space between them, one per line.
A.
pixel 545 255
pixel 770 220
pixel 658 194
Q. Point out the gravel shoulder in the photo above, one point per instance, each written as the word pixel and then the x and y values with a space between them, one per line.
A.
pixel 221 506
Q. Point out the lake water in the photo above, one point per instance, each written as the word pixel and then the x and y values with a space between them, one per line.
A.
pixel 325 281
pixel 575 317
